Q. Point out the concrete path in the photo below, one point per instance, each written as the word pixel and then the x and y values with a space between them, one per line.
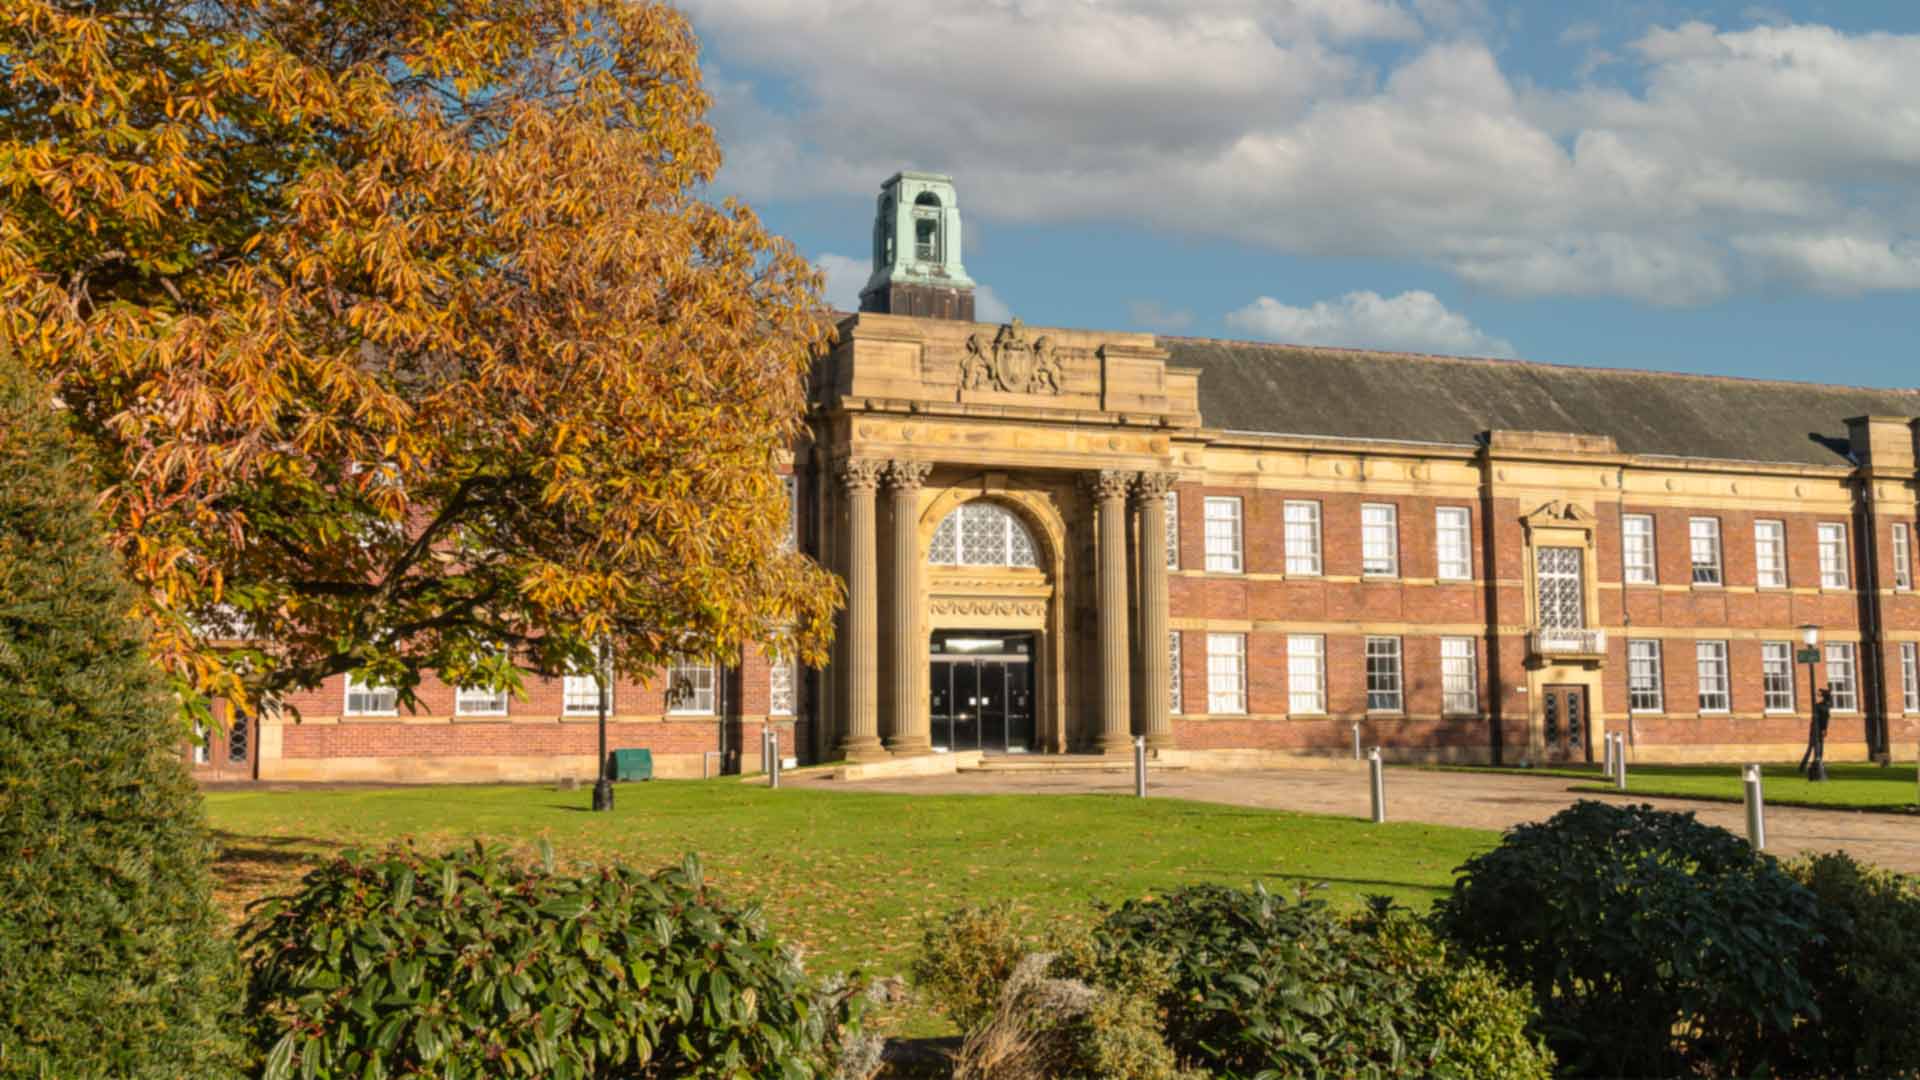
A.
pixel 1474 800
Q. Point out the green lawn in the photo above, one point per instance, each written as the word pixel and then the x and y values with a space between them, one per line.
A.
pixel 1850 786
pixel 850 875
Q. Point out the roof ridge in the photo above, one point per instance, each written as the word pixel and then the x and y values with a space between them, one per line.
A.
pixel 1392 354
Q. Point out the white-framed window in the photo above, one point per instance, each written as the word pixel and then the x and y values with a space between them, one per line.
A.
pixel 1173 530
pixel 1175 704
pixel 781 680
pixel 1770 554
pixel 1776 675
pixel 1636 549
pixel 1715 691
pixel 1227 673
pixel 1560 579
pixel 1833 555
pixel 1303 538
pixel 1223 534
pixel 1902 557
pixel 479 701
pixel 791 484
pixel 1306 674
pixel 1703 541
pixel 690 688
pixel 1379 540
pixel 1453 532
pixel 982 533
pixel 580 694
pixel 1910 677
pixel 1646 690
pixel 1459 677
pixel 1384 684
pixel 1843 676
pixel 365 699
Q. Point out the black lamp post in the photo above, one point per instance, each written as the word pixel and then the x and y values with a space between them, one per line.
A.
pixel 1816 736
pixel 602 785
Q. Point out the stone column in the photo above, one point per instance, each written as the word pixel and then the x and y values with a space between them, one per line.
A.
pixel 860 739
pixel 1150 495
pixel 908 727
pixel 1109 489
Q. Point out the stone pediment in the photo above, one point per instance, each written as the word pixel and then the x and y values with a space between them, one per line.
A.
pixel 1559 514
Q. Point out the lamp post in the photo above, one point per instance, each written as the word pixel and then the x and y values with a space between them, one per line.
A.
pixel 1816 739
pixel 602 786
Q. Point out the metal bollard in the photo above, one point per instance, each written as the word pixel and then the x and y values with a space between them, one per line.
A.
pixel 1140 766
pixel 770 755
pixel 1356 742
pixel 1606 755
pixel 1756 810
pixel 1378 775
pixel 1620 765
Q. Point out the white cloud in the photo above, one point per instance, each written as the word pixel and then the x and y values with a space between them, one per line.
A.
pixel 1157 316
pixel 1698 162
pixel 1414 321
pixel 847 275
pixel 988 307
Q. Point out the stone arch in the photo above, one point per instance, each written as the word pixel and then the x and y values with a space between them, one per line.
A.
pixel 1033 510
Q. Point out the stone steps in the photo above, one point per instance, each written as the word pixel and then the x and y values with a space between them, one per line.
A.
pixel 1070 763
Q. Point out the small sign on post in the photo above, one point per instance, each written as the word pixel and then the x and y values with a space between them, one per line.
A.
pixel 1807 656
pixel 1378 775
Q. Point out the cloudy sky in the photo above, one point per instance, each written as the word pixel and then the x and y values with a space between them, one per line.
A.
pixel 1730 188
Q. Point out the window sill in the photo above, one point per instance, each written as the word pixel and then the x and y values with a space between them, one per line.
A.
pixel 1707 586
pixel 482 718
pixel 672 715
pixel 395 715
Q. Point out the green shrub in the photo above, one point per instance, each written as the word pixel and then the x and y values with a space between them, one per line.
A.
pixel 965 959
pixel 471 964
pixel 113 959
pixel 1256 986
pixel 1866 974
pixel 1655 945
pixel 1026 1009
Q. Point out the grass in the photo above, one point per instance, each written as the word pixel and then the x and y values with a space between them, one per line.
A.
pixel 850 875
pixel 1849 785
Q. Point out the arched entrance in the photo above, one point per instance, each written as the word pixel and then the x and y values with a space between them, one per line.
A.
pixel 993 653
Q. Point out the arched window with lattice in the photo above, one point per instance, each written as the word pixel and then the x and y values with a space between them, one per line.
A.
pixel 982 534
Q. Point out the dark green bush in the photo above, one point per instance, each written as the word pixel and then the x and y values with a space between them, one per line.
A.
pixel 472 964
pixel 113 959
pixel 1256 986
pixel 1865 974
pixel 1655 945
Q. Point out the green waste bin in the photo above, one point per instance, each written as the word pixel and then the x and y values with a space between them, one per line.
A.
pixel 633 764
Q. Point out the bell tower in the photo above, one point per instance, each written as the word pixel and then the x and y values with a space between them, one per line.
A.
pixel 916 251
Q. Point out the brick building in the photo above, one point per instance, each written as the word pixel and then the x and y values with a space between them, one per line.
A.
pixel 1055 539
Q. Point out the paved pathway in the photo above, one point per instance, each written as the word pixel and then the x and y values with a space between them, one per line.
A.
pixel 1475 800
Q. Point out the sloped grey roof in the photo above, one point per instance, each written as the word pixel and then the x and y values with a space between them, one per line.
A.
pixel 1307 390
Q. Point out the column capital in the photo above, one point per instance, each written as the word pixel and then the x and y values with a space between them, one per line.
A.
pixel 1107 483
pixel 1148 486
pixel 861 474
pixel 907 475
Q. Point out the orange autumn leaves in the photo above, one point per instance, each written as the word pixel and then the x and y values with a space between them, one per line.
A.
pixel 397 333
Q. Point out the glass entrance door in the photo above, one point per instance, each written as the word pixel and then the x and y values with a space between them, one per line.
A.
pixel 981 692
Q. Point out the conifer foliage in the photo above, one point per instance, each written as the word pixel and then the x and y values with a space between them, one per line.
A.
pixel 113 960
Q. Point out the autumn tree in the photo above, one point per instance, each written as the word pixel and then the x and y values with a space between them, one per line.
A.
pixel 399 333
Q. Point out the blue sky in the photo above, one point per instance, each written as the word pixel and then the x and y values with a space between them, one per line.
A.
pixel 1725 188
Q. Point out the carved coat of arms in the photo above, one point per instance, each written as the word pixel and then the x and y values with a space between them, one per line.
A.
pixel 1011 363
